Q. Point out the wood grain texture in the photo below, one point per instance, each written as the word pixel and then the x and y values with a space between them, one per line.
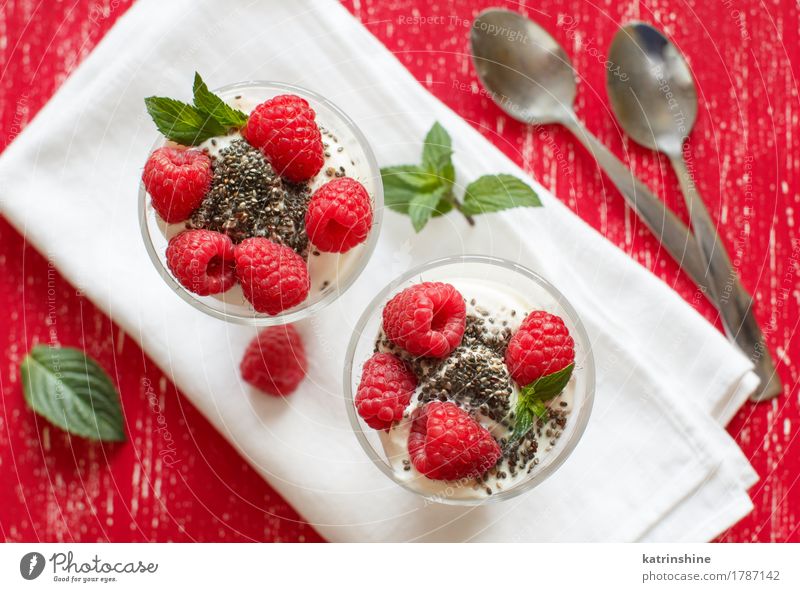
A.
pixel 745 150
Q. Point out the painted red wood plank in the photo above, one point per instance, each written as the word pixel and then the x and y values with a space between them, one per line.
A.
pixel 746 162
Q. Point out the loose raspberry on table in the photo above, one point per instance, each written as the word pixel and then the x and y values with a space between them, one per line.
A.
pixel 387 385
pixel 273 276
pixel 427 319
pixel 177 180
pixel 275 361
pixel 283 128
pixel 202 261
pixel 339 215
pixel 445 443
pixel 542 345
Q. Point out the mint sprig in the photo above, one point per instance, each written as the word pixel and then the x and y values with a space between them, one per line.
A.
pixel 425 191
pixel 531 400
pixel 191 125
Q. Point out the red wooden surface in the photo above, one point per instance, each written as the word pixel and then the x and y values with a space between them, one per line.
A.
pixel 745 150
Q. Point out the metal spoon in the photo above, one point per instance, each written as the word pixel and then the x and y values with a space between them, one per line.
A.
pixel 653 95
pixel 530 77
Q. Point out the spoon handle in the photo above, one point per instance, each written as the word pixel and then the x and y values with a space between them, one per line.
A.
pixel 662 221
pixel 735 305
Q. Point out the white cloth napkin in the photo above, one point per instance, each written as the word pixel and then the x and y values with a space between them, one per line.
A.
pixel 654 464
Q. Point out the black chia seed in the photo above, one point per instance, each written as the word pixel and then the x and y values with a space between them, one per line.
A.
pixel 475 376
pixel 247 199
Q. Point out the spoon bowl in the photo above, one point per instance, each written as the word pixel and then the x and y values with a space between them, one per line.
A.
pixel 654 96
pixel 527 72
pixel 530 77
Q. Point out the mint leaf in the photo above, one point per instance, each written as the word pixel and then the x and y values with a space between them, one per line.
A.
pixel 397 193
pixel 213 106
pixel 437 150
pixel 182 123
pixel 532 397
pixel 539 409
pixel 404 184
pixel 493 193
pixel 526 413
pixel 548 386
pixel 423 206
pixel 419 179
pixel 522 423
pixel 73 392
pixel 445 205
pixel 448 173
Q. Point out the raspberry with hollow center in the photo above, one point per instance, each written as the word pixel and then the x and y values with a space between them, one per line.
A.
pixel 283 128
pixel 202 261
pixel 542 345
pixel 427 319
pixel 177 180
pixel 275 361
pixel 273 277
pixel 445 443
pixel 387 385
pixel 339 215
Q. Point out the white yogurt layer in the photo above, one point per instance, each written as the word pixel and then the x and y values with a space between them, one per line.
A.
pixel 326 270
pixel 498 301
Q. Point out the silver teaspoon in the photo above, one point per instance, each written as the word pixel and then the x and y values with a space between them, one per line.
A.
pixel 653 96
pixel 529 76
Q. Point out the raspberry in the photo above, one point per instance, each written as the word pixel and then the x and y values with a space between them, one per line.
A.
pixel 283 128
pixel 427 319
pixel 275 360
pixel 541 346
pixel 273 277
pixel 202 261
pixel 339 215
pixel 177 181
pixel 387 385
pixel 446 443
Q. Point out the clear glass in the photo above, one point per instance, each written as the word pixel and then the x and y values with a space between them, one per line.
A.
pixel 507 276
pixel 345 268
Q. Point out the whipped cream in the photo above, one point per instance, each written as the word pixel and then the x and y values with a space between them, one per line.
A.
pixel 505 307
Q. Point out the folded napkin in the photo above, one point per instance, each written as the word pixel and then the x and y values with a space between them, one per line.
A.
pixel 654 464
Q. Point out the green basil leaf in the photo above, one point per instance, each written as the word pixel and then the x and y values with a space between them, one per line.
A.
pixel 73 392
pixel 493 193
pixel 212 105
pixel 438 149
pixel 182 123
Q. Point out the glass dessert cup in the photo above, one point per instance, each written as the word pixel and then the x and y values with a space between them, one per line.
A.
pixel 510 280
pixel 331 273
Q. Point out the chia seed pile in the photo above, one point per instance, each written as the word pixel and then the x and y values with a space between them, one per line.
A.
pixel 248 199
pixel 474 377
